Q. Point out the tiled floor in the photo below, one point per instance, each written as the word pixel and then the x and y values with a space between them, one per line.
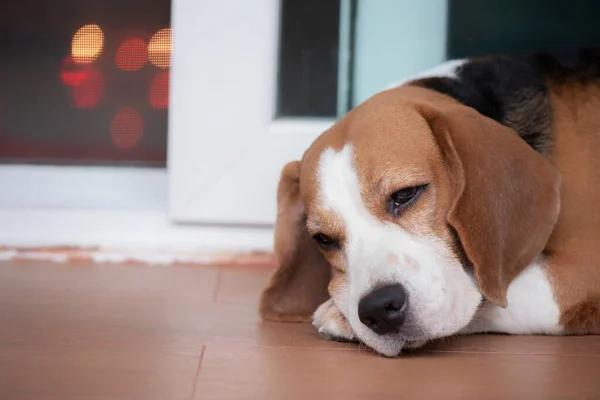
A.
pixel 133 332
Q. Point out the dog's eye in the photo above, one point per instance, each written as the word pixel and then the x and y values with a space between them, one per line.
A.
pixel 402 198
pixel 324 241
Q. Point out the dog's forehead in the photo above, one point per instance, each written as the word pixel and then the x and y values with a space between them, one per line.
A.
pixel 385 135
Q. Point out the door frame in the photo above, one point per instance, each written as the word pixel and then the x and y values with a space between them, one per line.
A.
pixel 226 146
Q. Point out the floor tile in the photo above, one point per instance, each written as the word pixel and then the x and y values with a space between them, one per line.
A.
pixel 70 372
pixel 249 372
pixel 240 284
pixel 134 332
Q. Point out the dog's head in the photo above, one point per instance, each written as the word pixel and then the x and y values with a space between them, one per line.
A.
pixel 409 212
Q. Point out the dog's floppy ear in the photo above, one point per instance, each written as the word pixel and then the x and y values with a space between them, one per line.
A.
pixel 505 195
pixel 299 284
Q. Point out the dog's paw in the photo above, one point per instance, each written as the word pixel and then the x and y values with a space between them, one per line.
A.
pixel 331 323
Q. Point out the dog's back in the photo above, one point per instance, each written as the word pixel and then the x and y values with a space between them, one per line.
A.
pixel 573 247
pixel 553 103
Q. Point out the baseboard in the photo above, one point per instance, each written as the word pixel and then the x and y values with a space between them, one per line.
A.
pixel 127 236
pixel 77 255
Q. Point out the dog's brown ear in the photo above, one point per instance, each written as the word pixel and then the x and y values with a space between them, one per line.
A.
pixel 299 284
pixel 505 195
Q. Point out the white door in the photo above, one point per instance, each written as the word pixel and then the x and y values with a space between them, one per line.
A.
pixel 226 145
pixel 226 149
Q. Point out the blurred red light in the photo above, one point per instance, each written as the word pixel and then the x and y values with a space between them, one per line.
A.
pixel 159 90
pixel 72 74
pixel 132 55
pixel 74 78
pixel 127 128
pixel 87 93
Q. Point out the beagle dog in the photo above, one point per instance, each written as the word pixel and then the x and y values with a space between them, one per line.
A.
pixel 463 201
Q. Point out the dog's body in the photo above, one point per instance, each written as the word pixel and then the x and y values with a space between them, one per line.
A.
pixel 461 201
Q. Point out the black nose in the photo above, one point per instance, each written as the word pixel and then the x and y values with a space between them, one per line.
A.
pixel 383 310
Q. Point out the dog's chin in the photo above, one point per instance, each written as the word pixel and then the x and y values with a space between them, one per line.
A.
pixel 390 346
pixel 386 345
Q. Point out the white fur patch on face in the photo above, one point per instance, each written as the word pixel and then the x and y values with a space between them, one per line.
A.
pixel 441 296
pixel 444 70
pixel 531 309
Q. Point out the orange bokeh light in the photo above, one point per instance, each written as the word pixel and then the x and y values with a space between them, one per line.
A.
pixel 160 48
pixel 132 55
pixel 159 90
pixel 88 93
pixel 127 128
pixel 87 44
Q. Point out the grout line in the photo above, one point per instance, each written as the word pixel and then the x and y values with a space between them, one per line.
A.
pixel 200 359
pixel 217 284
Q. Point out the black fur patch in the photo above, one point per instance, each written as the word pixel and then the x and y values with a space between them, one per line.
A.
pixel 509 90
pixel 513 90
pixel 582 66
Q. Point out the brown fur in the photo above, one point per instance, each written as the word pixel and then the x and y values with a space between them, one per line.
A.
pixel 583 318
pixel 573 249
pixel 299 285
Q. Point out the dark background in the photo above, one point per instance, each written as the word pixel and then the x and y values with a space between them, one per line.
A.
pixel 38 122
pixel 483 27
pixel 308 62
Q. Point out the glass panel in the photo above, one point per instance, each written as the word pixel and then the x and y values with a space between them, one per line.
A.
pixel 308 58
pixel 516 26
pixel 395 39
pixel 84 82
